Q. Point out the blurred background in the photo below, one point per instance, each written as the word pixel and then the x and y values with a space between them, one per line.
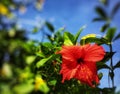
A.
pixel 23 20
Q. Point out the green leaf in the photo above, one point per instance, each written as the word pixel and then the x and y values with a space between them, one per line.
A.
pixel 115 9
pixel 108 90
pixel 30 59
pixel 110 34
pixel 111 74
pixel 100 75
pixel 58 37
pixel 105 2
pixel 94 40
pixel 49 37
pixel 68 38
pixel 107 56
pixel 98 19
pixel 78 34
pixel 47 45
pixel 52 82
pixel 40 54
pixel 42 61
pixel 35 30
pixel 23 88
pixel 5 89
pixel 104 27
pixel 41 85
pixel 47 48
pixel 117 37
pixel 44 88
pixel 101 65
pixel 89 38
pixel 101 12
pixel 117 65
pixel 50 26
pixel 59 31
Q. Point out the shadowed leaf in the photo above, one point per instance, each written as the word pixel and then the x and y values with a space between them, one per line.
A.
pixel 101 12
pixel 117 37
pixel 104 27
pixel 98 19
pixel 115 9
pixel 50 26
pixel 105 2
pixel 101 65
pixel 117 65
pixel 108 55
pixel 100 75
pixel 35 30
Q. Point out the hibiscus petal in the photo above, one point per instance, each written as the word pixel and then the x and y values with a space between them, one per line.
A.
pixel 67 72
pixel 80 62
pixel 85 75
pixel 93 53
pixel 91 66
pixel 71 52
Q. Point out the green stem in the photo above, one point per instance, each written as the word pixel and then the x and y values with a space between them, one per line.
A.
pixel 111 65
pixel 109 79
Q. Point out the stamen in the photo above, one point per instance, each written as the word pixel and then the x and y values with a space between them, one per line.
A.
pixel 80 60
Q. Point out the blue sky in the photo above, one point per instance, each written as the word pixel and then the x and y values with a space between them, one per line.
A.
pixel 72 14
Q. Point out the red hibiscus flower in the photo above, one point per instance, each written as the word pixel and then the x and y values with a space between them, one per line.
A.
pixel 79 62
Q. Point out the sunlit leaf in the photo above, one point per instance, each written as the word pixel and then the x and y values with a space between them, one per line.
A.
pixel 42 62
pixel 44 88
pixel 52 82
pixel 23 88
pixel 5 89
pixel 78 34
pixel 40 54
pixel 3 10
pixel 88 36
pixel 12 33
pixel 91 38
pixel 68 38
pixel 6 70
pixel 30 59
pixel 41 85
pixel 110 34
